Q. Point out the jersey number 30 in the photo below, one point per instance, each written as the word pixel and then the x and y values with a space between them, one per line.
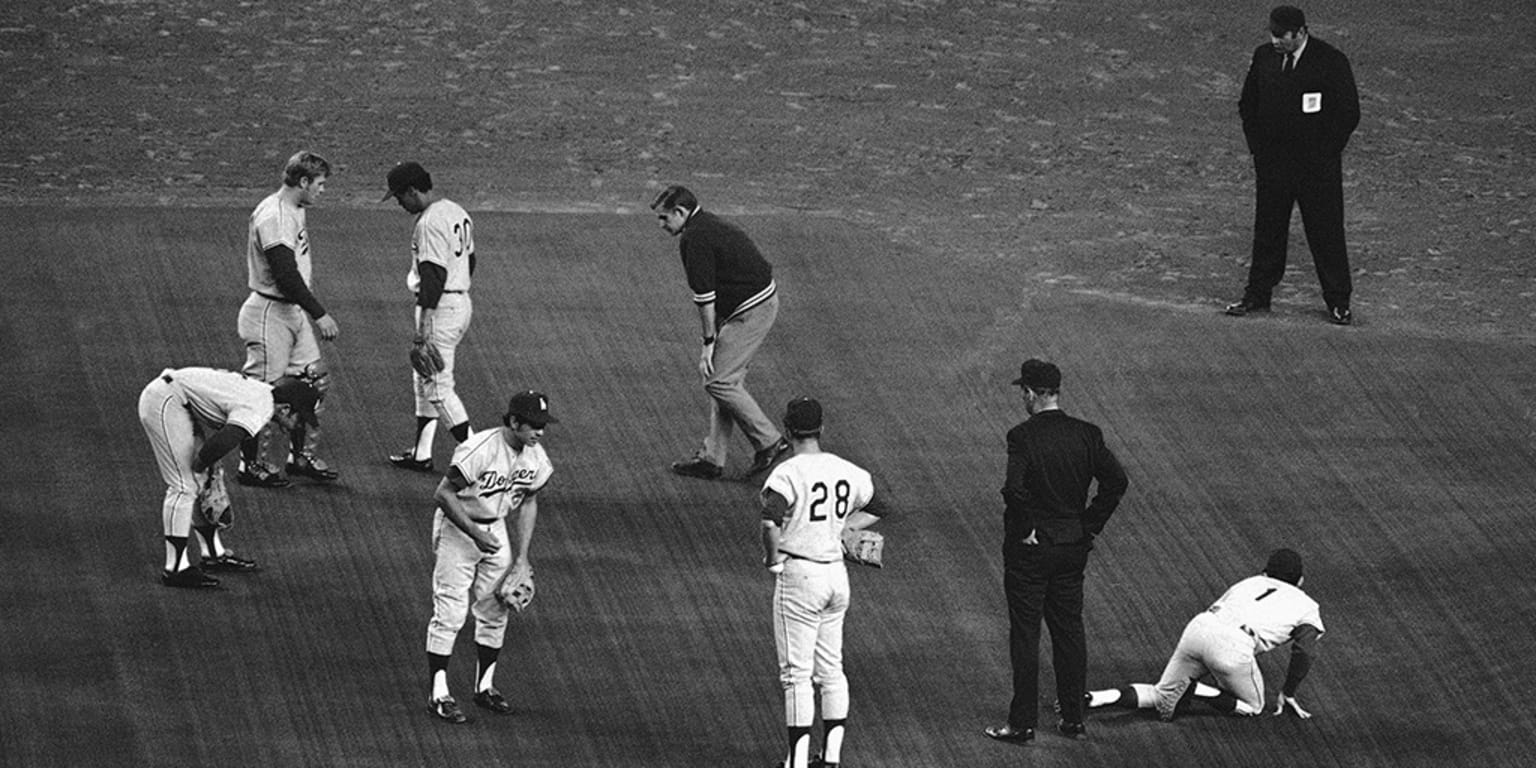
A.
pixel 838 496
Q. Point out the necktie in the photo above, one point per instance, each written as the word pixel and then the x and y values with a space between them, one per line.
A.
pixel 1290 62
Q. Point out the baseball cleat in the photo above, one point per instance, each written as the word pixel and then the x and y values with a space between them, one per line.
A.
pixel 1341 316
pixel 447 709
pixel 765 458
pixel 1246 307
pixel 229 562
pixel 697 467
pixel 311 467
pixel 261 476
pixel 189 578
pixel 408 460
pixel 1011 734
pixel 491 699
pixel 1072 730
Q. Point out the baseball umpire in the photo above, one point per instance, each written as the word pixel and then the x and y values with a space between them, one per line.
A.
pixel 494 474
pixel 442 262
pixel 1254 616
pixel 193 417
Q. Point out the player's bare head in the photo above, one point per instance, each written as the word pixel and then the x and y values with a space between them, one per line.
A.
pixel 674 197
pixel 802 418
pixel 1287 21
pixel 1039 377
pixel 407 176
pixel 305 165
pixel 1285 565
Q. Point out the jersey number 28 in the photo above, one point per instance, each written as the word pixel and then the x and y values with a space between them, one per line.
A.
pixel 838 495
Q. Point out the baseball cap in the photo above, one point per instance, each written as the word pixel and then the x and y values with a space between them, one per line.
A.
pixel 1284 565
pixel 298 395
pixel 802 416
pixel 531 408
pixel 405 176
pixel 1038 374
pixel 1287 18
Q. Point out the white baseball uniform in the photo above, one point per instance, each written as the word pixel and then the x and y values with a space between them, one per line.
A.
pixel 464 579
pixel 444 235
pixel 811 595
pixel 278 338
pixel 181 407
pixel 1255 615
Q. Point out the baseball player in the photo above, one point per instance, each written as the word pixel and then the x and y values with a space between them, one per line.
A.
pixel 275 320
pixel 193 417
pixel 807 501
pixel 442 261
pixel 495 473
pixel 1255 615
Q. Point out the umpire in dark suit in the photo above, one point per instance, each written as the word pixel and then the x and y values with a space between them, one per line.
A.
pixel 1048 528
pixel 1299 106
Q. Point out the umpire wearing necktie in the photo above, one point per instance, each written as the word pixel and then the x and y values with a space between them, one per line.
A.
pixel 1299 106
pixel 1048 527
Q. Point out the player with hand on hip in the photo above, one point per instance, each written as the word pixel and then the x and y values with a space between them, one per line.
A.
pixel 442 262
pixel 807 501
pixel 495 473
pixel 1255 615
pixel 275 320
pixel 193 417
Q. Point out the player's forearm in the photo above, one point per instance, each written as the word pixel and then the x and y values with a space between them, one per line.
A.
pixel 770 543
pixel 527 518
pixel 217 446
pixel 706 320
pixel 1301 664
pixel 424 322
pixel 860 520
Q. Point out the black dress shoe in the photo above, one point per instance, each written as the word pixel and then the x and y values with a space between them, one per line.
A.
pixel 697 466
pixel 1341 316
pixel 189 578
pixel 1072 730
pixel 765 458
pixel 1011 734
pixel 1246 306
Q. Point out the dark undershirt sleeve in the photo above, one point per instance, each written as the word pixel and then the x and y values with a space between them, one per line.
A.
pixel 1303 642
pixel 221 443
pixel 433 278
pixel 285 272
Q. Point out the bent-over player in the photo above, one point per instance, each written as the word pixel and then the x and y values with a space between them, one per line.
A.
pixel 1255 615
pixel 275 319
pixel 442 261
pixel 193 417
pixel 494 473
pixel 807 501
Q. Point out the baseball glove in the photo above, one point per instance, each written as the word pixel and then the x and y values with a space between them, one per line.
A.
pixel 864 547
pixel 425 358
pixel 516 590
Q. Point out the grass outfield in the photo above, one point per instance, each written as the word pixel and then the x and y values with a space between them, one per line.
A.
pixel 1399 465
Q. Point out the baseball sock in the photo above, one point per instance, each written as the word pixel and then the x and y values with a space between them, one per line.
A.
pixel 832 740
pixel 485 666
pixel 426 432
pixel 1125 697
pixel 460 431
pixel 208 536
pixel 437 663
pixel 799 747
pixel 175 553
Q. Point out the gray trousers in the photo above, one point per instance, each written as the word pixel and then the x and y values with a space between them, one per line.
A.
pixel 730 405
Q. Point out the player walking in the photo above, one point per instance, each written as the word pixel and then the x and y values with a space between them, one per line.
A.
pixel 275 320
pixel 1255 615
pixel 442 261
pixel 494 473
pixel 193 417
pixel 807 501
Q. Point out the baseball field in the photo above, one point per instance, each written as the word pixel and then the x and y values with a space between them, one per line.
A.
pixel 945 189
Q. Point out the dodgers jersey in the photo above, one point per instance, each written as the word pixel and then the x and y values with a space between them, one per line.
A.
pixel 499 476
pixel 822 490
pixel 216 398
pixel 275 222
pixel 1270 608
pixel 444 236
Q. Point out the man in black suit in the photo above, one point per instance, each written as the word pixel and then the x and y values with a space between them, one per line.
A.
pixel 1299 106
pixel 1048 528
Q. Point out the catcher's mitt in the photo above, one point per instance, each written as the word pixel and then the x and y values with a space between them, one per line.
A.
pixel 516 590
pixel 864 547
pixel 425 358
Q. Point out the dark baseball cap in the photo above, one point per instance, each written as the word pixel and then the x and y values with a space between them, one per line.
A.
pixel 531 408
pixel 1038 375
pixel 298 395
pixel 407 175
pixel 1284 565
pixel 1287 18
pixel 802 416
